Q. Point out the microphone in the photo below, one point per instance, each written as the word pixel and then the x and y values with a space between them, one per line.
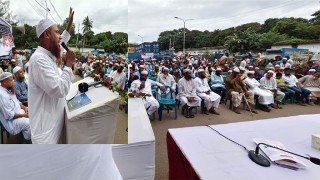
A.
pixel 262 161
pixel 83 87
pixel 65 46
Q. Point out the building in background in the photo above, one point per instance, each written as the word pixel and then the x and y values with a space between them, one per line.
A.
pixel 148 47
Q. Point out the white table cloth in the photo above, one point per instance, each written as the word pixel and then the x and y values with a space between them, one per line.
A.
pixel 214 157
pixel 52 162
pixel 96 122
pixel 136 160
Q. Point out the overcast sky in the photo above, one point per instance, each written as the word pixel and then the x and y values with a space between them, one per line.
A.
pixel 148 18
pixel 107 15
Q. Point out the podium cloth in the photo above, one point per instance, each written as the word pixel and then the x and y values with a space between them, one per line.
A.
pixel 136 160
pixel 96 122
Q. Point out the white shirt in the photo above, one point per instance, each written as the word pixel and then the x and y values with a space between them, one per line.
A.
pixel 9 106
pixel 187 88
pixel 47 92
pixel 268 83
pixel 202 85
pixel 119 78
pixel 135 86
pixel 168 81
pixel 291 80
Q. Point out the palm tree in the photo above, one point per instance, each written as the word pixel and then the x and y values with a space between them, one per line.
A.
pixel 87 25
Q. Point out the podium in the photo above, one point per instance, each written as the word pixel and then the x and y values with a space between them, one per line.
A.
pixel 94 123
pixel 136 160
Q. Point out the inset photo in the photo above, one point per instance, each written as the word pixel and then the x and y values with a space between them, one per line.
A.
pixel 64 72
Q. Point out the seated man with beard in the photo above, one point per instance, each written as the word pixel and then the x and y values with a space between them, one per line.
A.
pixel 236 89
pixel 218 83
pixel 211 99
pixel 187 94
pixel 20 85
pixel 269 84
pixel 265 97
pixel 143 85
pixel 311 82
pixel 13 115
pixel 167 79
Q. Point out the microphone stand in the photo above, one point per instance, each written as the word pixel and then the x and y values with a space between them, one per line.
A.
pixel 262 161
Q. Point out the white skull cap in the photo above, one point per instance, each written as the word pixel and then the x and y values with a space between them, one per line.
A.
pixel 43 25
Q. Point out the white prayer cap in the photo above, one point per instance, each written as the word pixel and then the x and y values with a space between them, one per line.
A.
pixel 270 71
pixel 250 72
pixel 284 59
pixel 43 25
pixel 144 72
pixel 165 68
pixel 116 64
pixel 110 62
pixel 141 66
pixel 230 71
pixel 16 69
pixel 277 65
pixel 186 70
pixel 242 68
pixel 236 70
pixel 13 60
pixel 5 75
pixel 157 65
pixel 200 70
pixel 251 66
pixel 226 64
pixel 257 68
pixel 218 69
pixel 312 70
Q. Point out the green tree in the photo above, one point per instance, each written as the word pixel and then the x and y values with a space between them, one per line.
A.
pixel 316 18
pixel 86 29
pixel 243 41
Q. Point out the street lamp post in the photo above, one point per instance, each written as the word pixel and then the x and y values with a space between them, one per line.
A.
pixel 184 32
pixel 141 38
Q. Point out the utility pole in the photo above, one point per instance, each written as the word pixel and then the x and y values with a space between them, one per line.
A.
pixel 77 37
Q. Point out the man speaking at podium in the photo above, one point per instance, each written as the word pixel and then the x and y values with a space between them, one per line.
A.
pixel 47 88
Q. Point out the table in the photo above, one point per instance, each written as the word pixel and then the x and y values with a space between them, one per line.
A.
pixel 96 122
pixel 200 153
pixel 136 160
pixel 51 162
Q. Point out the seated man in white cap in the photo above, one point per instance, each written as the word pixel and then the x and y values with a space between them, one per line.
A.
pixel 187 94
pixel 143 86
pixel 218 84
pixel 269 83
pixel 119 77
pixel 47 87
pixel 211 99
pixel 265 97
pixel 257 74
pixel 138 73
pixel 20 85
pixel 236 89
pixel 311 82
pixel 13 114
pixel 167 79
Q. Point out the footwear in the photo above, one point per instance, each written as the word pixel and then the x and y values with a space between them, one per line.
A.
pixel 266 109
pixel 301 104
pixel 254 111
pixel 236 110
pixel 274 106
pixel 214 112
